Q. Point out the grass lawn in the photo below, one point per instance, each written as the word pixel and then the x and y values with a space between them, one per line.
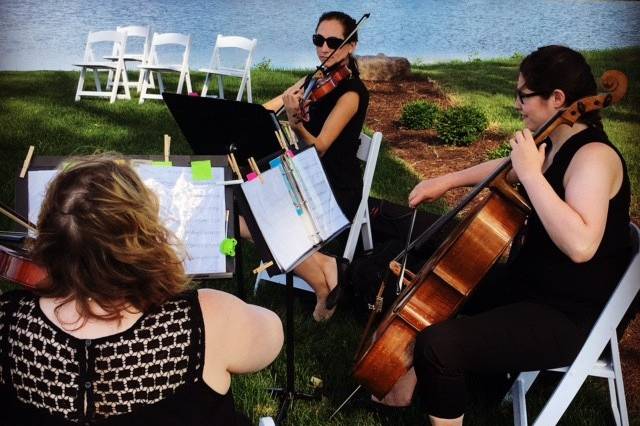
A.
pixel 37 108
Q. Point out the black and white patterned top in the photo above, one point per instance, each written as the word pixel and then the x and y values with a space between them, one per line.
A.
pixel 150 372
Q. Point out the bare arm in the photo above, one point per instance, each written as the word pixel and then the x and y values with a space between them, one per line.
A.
pixel 239 337
pixel 342 113
pixel 431 189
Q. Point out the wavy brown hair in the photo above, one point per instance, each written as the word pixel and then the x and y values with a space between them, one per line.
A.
pixel 100 238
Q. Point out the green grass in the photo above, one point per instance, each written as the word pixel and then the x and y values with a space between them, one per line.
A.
pixel 37 108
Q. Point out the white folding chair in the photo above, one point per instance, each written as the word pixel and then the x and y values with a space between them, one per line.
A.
pixel 152 64
pixel 590 360
pixel 119 39
pixel 142 32
pixel 361 225
pixel 216 67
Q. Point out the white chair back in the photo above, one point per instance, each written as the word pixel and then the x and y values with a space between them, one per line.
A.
pixel 115 66
pixel 153 64
pixel 220 69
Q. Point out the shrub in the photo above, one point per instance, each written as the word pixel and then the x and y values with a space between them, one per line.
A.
pixel 502 151
pixel 461 125
pixel 418 115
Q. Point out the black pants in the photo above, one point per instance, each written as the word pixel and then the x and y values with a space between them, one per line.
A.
pixel 512 337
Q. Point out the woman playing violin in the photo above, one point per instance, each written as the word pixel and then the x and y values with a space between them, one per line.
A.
pixel 574 249
pixel 333 126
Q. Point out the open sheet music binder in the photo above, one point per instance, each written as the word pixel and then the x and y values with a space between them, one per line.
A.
pixel 293 210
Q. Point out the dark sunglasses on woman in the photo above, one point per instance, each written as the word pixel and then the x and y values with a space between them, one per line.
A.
pixel 332 42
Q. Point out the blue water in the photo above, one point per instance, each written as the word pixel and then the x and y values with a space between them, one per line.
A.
pixel 51 34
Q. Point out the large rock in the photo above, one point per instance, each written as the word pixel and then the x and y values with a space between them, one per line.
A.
pixel 383 68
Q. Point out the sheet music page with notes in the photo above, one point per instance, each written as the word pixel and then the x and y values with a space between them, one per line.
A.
pixel 194 211
pixel 326 212
pixel 275 213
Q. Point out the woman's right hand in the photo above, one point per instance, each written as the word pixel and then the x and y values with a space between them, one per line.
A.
pixel 291 99
pixel 428 190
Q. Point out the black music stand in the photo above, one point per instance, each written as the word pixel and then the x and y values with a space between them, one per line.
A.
pixel 218 126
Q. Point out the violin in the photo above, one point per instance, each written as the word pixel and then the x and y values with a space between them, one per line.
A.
pixel 15 264
pixel 443 284
pixel 17 267
pixel 321 84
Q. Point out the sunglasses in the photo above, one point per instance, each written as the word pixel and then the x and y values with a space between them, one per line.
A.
pixel 522 96
pixel 332 42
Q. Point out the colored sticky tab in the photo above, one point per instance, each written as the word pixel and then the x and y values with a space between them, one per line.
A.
pixel 275 162
pixel 290 154
pixel 161 163
pixel 251 176
pixel 201 170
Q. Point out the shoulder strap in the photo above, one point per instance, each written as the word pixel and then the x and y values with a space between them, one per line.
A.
pixel 196 358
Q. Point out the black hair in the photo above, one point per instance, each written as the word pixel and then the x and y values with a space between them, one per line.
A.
pixel 559 67
pixel 348 25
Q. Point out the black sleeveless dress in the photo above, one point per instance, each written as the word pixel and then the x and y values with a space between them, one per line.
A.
pixel 548 276
pixel 340 161
pixel 150 374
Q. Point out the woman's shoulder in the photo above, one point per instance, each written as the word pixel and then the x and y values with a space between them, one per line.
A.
pixel 355 84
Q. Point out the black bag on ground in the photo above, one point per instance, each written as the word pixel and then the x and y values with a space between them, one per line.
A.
pixel 389 225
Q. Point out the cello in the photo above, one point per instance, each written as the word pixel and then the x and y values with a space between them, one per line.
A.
pixel 449 277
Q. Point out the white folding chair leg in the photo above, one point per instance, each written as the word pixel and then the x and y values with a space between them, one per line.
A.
pixel 161 83
pixel 367 237
pixel 249 96
pixel 109 79
pixel 243 82
pixel 83 72
pixel 114 90
pixel 205 86
pixel 96 79
pixel 220 87
pixel 518 395
pixel 145 84
pixel 189 88
pixel 266 421
pixel 619 403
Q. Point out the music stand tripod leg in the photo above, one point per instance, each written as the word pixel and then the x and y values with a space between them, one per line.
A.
pixel 239 270
pixel 288 394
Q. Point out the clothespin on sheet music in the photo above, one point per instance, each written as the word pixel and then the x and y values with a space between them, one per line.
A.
pixel 234 166
pixel 27 161
pixel 293 140
pixel 281 141
pixel 262 267
pixel 254 167
pixel 167 147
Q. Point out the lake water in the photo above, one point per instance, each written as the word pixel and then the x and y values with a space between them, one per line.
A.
pixel 51 34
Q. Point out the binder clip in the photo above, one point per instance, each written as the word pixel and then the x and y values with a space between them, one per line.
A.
pixel 228 247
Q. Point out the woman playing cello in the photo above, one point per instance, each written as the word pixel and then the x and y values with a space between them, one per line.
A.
pixel 573 251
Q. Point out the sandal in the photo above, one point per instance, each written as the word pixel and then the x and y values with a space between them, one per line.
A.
pixel 338 291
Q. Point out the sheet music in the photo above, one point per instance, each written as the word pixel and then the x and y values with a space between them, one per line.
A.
pixel 326 212
pixel 38 182
pixel 275 214
pixel 194 211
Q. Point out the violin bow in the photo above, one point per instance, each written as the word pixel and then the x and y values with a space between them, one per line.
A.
pixel 16 217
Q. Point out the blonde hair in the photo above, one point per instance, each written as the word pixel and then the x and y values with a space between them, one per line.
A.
pixel 100 238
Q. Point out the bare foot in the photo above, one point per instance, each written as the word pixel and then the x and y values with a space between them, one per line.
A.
pixel 402 392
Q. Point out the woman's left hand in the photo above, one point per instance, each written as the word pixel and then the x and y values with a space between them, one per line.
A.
pixel 527 159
